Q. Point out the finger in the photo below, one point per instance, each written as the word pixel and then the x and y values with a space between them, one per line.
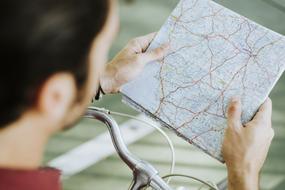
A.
pixel 234 113
pixel 145 41
pixel 140 44
pixel 155 54
pixel 264 113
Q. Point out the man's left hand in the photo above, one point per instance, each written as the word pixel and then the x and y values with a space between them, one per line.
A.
pixel 130 62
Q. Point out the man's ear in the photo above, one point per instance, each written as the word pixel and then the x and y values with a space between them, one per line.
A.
pixel 56 97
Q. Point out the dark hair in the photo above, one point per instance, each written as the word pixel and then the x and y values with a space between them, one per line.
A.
pixel 40 38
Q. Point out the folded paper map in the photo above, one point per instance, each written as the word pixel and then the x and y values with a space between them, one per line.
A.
pixel 215 54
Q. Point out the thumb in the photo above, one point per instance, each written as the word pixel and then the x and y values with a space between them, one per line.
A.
pixel 155 54
pixel 234 113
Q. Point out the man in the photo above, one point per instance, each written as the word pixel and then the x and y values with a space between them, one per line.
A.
pixel 53 61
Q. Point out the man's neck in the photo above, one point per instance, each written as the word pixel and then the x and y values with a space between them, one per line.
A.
pixel 22 145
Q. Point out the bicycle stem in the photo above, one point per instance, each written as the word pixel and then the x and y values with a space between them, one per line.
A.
pixel 144 174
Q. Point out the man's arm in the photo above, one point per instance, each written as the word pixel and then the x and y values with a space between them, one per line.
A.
pixel 246 146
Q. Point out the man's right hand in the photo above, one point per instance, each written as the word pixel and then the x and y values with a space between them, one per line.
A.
pixel 246 146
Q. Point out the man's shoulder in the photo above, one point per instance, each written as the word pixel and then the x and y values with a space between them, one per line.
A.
pixel 19 179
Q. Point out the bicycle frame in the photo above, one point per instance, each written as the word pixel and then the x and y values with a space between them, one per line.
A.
pixel 144 174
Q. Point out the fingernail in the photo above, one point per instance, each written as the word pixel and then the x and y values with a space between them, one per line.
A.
pixel 166 46
pixel 235 99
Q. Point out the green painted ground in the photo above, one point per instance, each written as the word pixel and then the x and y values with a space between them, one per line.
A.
pixel 142 17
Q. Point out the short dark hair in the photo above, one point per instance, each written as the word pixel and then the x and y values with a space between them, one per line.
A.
pixel 40 38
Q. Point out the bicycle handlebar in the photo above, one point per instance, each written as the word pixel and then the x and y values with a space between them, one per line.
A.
pixel 144 173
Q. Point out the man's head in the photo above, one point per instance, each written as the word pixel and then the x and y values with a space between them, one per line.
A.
pixel 52 53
